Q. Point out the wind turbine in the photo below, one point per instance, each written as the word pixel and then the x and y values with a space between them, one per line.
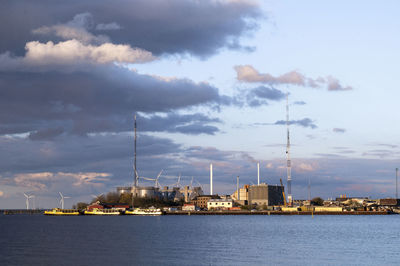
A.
pixel 62 200
pixel 156 183
pixel 27 200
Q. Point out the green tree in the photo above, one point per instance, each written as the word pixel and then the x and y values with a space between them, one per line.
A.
pixel 317 201
pixel 81 205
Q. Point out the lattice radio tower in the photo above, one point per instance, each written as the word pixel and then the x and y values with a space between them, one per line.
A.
pixel 289 165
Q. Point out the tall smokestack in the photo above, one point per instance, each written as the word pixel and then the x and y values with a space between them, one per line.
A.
pixel 258 173
pixel 237 188
pixel 134 166
pixel 397 171
pixel 211 179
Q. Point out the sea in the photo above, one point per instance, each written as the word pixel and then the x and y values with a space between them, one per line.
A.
pixel 200 240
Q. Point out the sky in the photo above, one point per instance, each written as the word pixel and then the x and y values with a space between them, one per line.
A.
pixel 208 81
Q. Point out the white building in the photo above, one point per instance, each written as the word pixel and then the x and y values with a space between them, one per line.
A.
pixel 219 204
pixel 189 207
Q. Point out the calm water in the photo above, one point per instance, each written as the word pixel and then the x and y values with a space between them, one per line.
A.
pixel 199 240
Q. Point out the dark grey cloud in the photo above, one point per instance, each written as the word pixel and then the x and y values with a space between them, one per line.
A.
pixel 268 93
pixel 381 153
pixel 305 122
pixel 199 28
pixel 262 94
pixel 102 100
pixel 174 123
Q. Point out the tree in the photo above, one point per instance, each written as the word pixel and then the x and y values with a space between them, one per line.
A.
pixel 81 205
pixel 112 197
pixel 317 201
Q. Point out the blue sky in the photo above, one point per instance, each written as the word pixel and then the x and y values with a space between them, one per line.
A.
pixel 68 114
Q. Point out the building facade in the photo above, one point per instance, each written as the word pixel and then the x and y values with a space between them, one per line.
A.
pixel 265 194
pixel 220 204
pixel 201 201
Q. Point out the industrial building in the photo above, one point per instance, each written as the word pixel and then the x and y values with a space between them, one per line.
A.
pixel 220 204
pixel 186 193
pixel 265 194
pixel 201 201
pixel 243 197
pixel 262 194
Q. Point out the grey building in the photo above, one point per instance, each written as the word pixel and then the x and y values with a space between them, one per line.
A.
pixel 265 194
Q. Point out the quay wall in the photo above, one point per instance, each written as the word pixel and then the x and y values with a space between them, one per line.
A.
pixel 277 213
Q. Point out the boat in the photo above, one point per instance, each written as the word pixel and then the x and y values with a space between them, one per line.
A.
pixel 139 211
pixel 58 211
pixel 97 211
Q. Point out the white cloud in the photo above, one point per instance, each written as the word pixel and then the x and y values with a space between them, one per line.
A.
pixel 44 180
pixel 305 167
pixel 73 52
pixel 247 73
pixel 1 194
pixel 334 85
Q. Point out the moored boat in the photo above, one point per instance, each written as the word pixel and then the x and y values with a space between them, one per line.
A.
pixel 140 211
pixel 96 211
pixel 58 211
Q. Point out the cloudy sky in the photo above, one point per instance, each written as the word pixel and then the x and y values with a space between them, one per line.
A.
pixel 208 81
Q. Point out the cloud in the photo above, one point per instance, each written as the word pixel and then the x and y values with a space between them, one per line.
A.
pixel 76 29
pixel 188 124
pixel 247 73
pixel 305 122
pixel 108 26
pixel 1 194
pixel 44 181
pixel 334 85
pixel 339 130
pixel 305 167
pixel 73 52
pixel 259 96
pixel 68 100
pixel 300 103
pixel 167 29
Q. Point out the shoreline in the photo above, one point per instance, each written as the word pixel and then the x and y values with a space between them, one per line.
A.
pixel 188 213
pixel 279 213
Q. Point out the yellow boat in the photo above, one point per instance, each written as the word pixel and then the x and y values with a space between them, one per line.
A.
pixel 58 211
pixel 149 211
pixel 96 211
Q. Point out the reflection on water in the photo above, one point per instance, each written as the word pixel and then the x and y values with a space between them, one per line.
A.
pixel 199 240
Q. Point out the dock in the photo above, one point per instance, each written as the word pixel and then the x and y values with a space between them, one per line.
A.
pixel 277 213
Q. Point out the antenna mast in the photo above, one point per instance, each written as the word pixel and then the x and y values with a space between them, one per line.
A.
pixel 289 166
pixel 136 176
